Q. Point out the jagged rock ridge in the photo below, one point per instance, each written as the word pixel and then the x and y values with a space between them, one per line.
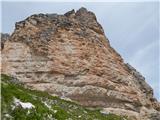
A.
pixel 68 55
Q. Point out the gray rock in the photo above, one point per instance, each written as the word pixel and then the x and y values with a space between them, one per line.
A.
pixel 33 21
pixel 4 37
pixel 155 116
pixel 69 13
pixel 52 16
pixel 140 80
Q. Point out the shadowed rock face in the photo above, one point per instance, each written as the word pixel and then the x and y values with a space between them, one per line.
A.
pixel 68 55
pixel 4 38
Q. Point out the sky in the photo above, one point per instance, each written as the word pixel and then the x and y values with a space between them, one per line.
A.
pixel 131 27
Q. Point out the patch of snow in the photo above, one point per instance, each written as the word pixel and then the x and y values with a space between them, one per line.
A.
pixel 24 105
pixel 45 103
pixel 12 107
pixel 55 111
pixel 28 112
pixel 85 111
pixel 104 112
pixel 8 116
pixel 65 98
pixel 49 116
pixel 55 95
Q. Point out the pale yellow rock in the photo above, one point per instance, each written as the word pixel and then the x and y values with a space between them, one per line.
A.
pixel 69 55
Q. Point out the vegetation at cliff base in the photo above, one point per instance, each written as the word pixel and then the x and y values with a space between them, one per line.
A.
pixel 20 103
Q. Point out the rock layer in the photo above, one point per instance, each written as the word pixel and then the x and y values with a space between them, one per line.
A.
pixel 69 56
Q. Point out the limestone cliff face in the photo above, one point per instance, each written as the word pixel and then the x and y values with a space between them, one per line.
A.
pixel 4 38
pixel 68 55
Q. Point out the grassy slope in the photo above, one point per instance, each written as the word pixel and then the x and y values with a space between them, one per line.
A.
pixel 56 108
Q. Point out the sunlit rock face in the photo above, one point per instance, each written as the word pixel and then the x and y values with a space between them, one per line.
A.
pixel 68 55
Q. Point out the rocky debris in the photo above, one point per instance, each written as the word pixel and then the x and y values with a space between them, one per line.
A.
pixel 16 81
pixel 69 55
pixel 149 114
pixel 154 116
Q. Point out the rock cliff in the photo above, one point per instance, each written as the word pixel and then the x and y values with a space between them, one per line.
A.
pixel 69 56
pixel 19 103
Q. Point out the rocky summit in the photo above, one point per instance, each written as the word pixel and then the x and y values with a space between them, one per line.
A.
pixel 69 56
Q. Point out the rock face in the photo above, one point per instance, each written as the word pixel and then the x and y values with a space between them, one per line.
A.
pixel 4 38
pixel 68 55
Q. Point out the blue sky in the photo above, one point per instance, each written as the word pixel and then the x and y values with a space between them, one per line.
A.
pixel 131 27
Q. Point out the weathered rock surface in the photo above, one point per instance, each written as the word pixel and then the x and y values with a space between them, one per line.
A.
pixel 68 55
pixel 4 38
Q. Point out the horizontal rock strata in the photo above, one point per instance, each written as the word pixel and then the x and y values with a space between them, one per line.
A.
pixel 68 55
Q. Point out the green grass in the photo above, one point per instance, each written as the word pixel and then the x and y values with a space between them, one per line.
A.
pixel 47 107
